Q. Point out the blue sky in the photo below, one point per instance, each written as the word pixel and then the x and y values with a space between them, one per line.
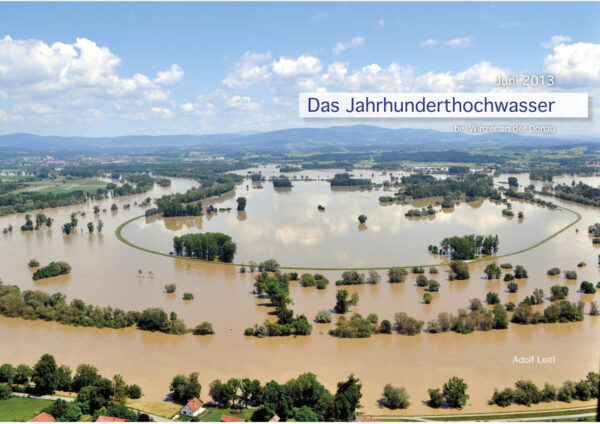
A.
pixel 165 68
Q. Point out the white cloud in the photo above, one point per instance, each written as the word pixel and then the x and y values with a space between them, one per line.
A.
pixel 5 117
pixel 574 64
pixel 64 78
pixel 375 78
pixel 555 41
pixel 188 107
pixel 336 72
pixel 342 46
pixel 170 77
pixel 459 42
pixel 249 69
pixel 381 23
pixel 304 65
pixel 242 103
pixel 161 112
pixel 429 42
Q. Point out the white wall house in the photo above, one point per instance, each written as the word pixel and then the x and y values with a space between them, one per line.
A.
pixel 192 408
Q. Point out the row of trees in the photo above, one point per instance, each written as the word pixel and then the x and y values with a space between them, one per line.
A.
pixel 302 399
pixel 276 288
pixel 469 246
pixel 452 394
pixel 40 219
pixel 94 392
pixel 189 203
pixel 206 246
pixel 526 392
pixel 53 269
pixel 345 180
pixel 35 304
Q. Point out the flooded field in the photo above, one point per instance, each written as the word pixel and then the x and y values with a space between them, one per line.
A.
pixel 288 227
pixel 285 224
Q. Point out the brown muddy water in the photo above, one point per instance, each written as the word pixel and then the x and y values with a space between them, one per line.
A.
pixel 105 272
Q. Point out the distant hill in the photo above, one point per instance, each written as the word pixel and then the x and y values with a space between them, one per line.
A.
pixel 355 138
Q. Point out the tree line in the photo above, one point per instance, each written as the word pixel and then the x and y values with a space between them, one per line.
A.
pixel 302 398
pixel 35 304
pixel 206 246
pixel 95 394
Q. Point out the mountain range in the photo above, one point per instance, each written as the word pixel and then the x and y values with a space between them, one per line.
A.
pixel 336 138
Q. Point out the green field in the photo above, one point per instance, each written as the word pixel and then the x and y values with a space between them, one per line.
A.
pixel 21 409
pixel 62 185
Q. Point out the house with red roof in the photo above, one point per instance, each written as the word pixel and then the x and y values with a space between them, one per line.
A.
pixel 43 417
pixel 230 419
pixel 192 408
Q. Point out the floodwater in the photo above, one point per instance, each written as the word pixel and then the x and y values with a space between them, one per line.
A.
pixel 105 272
pixel 286 225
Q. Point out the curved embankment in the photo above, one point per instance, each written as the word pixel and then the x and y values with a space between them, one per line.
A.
pixel 482 259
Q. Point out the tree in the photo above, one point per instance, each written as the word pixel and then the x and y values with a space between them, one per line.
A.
pixel 460 270
pixel 204 328
pixel 100 225
pixel 44 375
pixel 587 287
pixel 241 203
pixel 362 218
pixel 385 327
pixel 67 228
pixel 493 271
pixel 250 391
pixel 7 374
pixel 520 272
pixel 427 298
pixel 185 388
pixel 224 393
pixel 395 397
pixel 323 316
pixel 90 227
pixel 503 398
pixel 64 411
pixel 346 400
pixel 119 389
pixel 374 277
pixel 433 286
pixel 341 304
pixel 5 392
pixel 307 391
pixel 63 378
pixel 513 287
pixel 170 288
pixel 154 319
pixel 397 274
pixel 23 374
pixel 85 375
pixel 435 398
pixel 306 415
pixel 500 320
pixel 492 298
pixel 133 391
pixel 455 392
pixel 513 182
pixel 526 392
pixel 277 401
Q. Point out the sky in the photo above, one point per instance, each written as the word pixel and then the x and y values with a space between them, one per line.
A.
pixel 108 69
